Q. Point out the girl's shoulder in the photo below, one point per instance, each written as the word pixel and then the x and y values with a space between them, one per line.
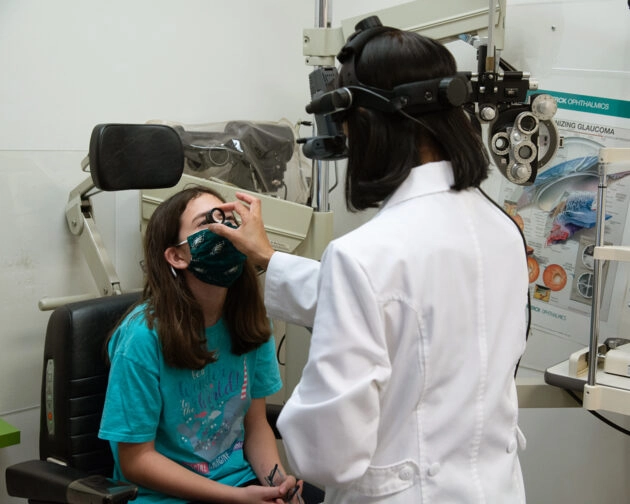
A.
pixel 134 320
pixel 133 331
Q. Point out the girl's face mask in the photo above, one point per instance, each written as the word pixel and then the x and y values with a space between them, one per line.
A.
pixel 214 260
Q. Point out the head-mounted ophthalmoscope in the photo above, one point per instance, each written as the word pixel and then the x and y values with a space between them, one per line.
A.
pixel 329 103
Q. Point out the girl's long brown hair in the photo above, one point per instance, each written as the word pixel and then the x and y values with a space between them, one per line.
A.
pixel 173 311
pixel 383 147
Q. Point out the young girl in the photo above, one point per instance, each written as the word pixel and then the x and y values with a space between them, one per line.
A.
pixel 191 366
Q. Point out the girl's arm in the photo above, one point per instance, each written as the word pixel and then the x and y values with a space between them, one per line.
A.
pixel 260 446
pixel 143 465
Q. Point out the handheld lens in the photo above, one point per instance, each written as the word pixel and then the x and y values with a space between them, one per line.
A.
pixel 215 216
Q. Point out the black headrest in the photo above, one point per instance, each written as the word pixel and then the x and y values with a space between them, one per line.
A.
pixel 135 156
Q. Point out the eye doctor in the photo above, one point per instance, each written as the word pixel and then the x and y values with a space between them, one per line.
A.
pixel 418 316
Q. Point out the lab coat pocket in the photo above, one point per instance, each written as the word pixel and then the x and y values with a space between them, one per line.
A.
pixel 379 481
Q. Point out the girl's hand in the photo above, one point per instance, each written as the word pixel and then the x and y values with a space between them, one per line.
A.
pixel 294 492
pixel 256 494
pixel 291 490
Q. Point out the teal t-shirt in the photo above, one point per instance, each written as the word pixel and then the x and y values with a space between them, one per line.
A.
pixel 195 417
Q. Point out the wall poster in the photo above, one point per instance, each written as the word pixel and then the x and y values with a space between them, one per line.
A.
pixel 558 214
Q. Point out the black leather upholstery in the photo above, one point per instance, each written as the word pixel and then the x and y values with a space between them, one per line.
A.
pixel 135 156
pixel 74 382
pixel 75 343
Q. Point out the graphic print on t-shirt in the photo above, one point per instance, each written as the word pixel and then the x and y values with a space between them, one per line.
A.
pixel 212 422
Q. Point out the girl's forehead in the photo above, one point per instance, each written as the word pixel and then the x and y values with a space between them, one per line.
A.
pixel 202 202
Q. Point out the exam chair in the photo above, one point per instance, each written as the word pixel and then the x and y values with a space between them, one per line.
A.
pixel 74 465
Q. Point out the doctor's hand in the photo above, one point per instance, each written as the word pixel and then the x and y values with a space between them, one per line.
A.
pixel 250 237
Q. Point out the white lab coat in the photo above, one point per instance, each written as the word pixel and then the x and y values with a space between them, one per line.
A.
pixel 419 318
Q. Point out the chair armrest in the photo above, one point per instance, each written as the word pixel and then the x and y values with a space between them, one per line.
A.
pixel 50 482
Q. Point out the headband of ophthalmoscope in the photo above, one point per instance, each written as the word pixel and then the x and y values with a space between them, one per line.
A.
pixel 412 98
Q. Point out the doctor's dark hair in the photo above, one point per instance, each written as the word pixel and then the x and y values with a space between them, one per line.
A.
pixel 383 148
pixel 172 309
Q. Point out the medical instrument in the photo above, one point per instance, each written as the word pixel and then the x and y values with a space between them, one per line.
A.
pixel 251 155
pixel 215 216
pixel 518 130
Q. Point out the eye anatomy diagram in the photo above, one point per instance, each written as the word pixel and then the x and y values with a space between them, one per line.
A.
pixel 555 277
pixel 558 217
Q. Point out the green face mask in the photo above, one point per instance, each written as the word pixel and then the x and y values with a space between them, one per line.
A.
pixel 214 260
